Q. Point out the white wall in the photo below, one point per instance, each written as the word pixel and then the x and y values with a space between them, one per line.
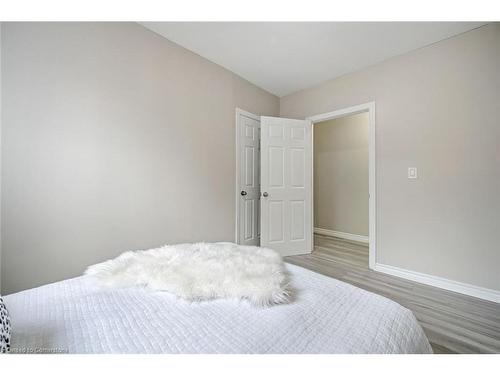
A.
pixel 341 174
pixel 113 139
pixel 437 109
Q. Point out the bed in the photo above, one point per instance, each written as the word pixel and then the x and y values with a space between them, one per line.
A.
pixel 325 316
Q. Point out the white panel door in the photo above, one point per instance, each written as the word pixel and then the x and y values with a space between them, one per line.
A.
pixel 249 179
pixel 286 185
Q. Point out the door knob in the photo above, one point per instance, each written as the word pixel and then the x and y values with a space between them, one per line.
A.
pixel 265 194
pixel 243 192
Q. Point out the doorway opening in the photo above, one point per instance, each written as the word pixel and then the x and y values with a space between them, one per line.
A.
pixel 274 182
pixel 344 185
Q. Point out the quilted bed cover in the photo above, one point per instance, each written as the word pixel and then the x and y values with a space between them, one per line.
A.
pixel 324 316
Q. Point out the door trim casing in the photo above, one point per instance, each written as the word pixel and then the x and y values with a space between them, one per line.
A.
pixel 370 109
pixel 238 113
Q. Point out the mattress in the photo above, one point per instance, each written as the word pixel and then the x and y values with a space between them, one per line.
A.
pixel 324 316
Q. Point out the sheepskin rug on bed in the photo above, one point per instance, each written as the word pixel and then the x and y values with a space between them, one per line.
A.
pixel 200 271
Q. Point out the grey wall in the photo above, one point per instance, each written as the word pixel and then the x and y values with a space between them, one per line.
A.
pixel 116 139
pixel 438 110
pixel 0 155
pixel 113 139
pixel 341 174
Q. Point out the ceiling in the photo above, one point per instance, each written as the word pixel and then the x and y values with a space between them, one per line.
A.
pixel 285 57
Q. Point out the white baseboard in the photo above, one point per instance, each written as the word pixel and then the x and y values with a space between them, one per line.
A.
pixel 440 282
pixel 436 281
pixel 346 236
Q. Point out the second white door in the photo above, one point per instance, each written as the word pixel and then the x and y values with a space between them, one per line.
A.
pixel 248 193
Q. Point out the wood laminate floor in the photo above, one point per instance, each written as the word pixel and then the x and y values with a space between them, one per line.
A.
pixel 453 322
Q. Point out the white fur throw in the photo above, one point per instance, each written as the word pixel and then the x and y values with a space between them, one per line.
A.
pixel 201 271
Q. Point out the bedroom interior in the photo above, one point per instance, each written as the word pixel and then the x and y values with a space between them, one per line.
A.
pixel 166 191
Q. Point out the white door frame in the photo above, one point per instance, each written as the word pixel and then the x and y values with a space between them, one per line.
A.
pixel 238 113
pixel 370 109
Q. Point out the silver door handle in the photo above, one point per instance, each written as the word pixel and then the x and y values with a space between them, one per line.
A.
pixel 265 194
pixel 243 192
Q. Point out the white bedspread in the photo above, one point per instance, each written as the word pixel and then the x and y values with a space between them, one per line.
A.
pixel 326 316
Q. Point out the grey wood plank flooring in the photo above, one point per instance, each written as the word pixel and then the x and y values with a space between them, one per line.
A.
pixel 453 322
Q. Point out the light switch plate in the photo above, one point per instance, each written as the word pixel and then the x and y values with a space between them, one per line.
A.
pixel 412 172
